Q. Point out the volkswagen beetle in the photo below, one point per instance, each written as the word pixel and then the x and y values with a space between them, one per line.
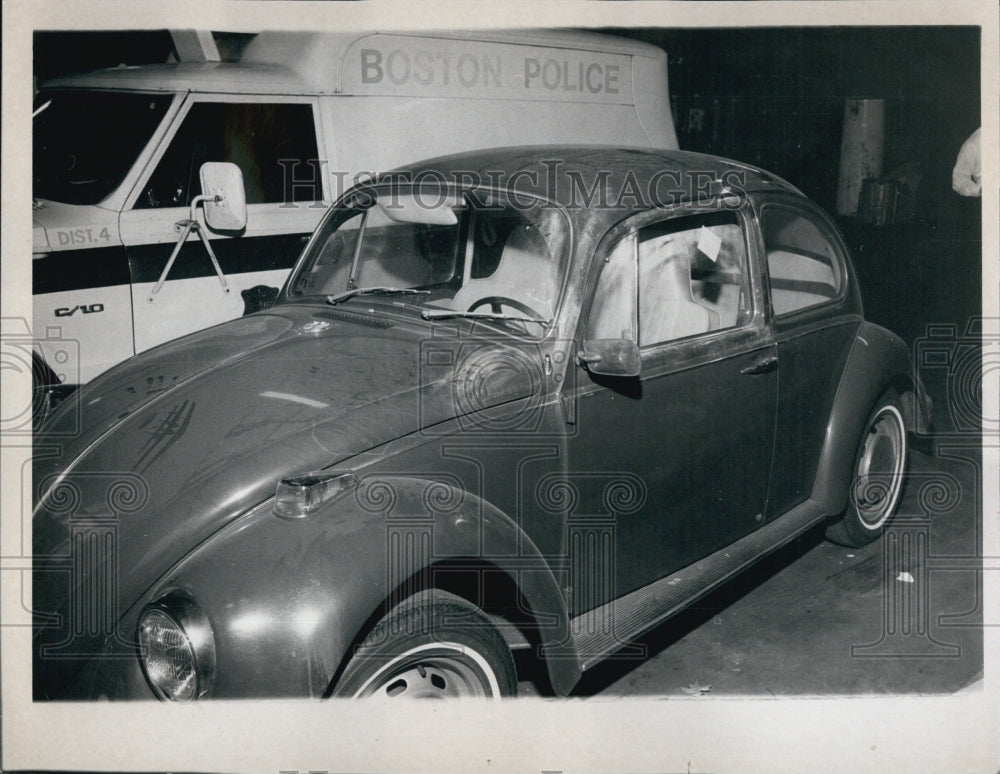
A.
pixel 529 397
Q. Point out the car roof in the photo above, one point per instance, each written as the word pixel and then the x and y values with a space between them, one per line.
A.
pixel 629 179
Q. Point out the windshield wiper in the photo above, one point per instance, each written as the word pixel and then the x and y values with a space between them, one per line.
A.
pixel 376 290
pixel 443 314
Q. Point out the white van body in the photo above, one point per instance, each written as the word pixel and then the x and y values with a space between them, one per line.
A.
pixel 117 154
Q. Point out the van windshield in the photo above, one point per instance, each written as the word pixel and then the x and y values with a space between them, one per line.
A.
pixel 473 254
pixel 85 142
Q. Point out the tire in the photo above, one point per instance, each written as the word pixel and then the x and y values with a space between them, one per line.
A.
pixel 432 645
pixel 880 467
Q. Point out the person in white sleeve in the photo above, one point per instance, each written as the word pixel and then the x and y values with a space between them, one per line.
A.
pixel 967 176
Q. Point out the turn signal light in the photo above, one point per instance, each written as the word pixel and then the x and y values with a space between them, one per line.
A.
pixel 300 496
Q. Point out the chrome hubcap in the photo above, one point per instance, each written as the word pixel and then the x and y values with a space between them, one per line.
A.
pixel 438 671
pixel 431 680
pixel 880 468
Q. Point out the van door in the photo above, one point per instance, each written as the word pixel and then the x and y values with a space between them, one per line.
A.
pixel 274 141
pixel 88 146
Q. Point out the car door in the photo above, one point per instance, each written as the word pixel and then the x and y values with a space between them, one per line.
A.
pixel 274 142
pixel 694 432
pixel 815 323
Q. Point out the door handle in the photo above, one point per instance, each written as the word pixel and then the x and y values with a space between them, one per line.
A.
pixel 764 366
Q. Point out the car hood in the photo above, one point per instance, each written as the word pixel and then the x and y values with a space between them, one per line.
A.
pixel 166 448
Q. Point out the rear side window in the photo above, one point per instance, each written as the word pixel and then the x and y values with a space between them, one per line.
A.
pixel 274 144
pixel 803 263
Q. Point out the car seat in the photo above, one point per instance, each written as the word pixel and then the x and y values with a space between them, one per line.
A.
pixel 667 310
pixel 526 274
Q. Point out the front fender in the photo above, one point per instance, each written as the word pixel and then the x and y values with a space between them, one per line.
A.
pixel 878 361
pixel 288 598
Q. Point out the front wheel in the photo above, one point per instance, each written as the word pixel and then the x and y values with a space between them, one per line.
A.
pixel 879 470
pixel 432 645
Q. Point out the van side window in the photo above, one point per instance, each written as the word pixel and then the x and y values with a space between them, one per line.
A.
pixel 803 264
pixel 273 144
pixel 85 142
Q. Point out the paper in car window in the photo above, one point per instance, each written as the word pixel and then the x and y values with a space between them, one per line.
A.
pixel 709 244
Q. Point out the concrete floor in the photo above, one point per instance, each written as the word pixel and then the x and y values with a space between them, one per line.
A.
pixel 816 618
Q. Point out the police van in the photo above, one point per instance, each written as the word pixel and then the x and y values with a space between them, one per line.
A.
pixel 122 262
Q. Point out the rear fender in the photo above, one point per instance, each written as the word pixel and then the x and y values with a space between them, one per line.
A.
pixel 879 361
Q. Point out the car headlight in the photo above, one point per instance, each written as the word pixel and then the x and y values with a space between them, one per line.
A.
pixel 176 648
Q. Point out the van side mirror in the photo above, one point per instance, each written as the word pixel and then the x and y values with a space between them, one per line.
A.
pixel 225 201
pixel 611 357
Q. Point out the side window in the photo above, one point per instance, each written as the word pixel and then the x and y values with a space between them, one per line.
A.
pixel 683 277
pixel 274 144
pixel 692 277
pixel 802 262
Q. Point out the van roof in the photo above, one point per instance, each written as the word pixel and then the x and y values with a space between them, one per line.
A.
pixel 313 62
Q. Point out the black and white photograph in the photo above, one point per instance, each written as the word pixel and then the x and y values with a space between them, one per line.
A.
pixel 624 373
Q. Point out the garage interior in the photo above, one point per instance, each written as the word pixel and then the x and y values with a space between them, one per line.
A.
pixel 905 614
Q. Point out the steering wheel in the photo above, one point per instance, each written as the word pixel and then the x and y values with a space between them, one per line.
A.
pixel 496 302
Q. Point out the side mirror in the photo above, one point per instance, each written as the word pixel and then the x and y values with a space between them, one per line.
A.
pixel 611 357
pixel 225 200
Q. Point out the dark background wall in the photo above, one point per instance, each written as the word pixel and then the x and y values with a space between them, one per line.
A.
pixel 775 97
pixel 59 53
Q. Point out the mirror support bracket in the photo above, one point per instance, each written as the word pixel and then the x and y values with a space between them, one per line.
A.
pixel 225 209
pixel 187 226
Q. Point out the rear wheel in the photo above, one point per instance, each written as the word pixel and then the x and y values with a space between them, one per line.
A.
pixel 879 470
pixel 432 645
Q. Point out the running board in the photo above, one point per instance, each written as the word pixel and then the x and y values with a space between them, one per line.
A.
pixel 600 632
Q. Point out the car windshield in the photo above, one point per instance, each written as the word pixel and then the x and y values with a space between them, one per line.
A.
pixel 474 254
pixel 85 142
